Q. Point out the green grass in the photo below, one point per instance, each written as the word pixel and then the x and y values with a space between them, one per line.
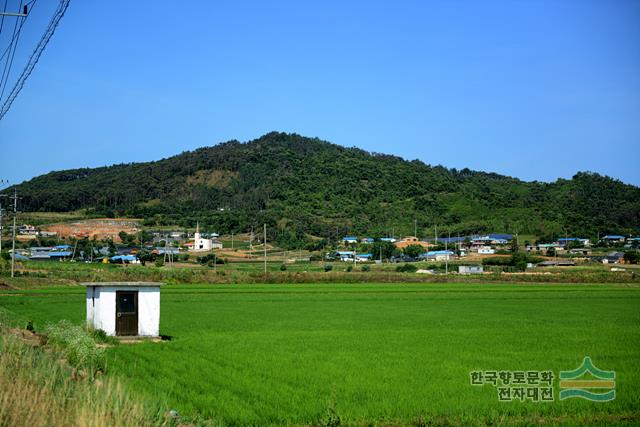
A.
pixel 399 353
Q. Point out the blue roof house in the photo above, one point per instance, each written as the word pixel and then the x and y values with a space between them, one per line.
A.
pixel 364 257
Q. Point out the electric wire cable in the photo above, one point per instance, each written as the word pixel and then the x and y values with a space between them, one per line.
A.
pixel 6 72
pixel 35 56
pixel 4 9
pixel 4 53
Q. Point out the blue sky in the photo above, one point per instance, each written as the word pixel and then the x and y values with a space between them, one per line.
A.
pixel 532 89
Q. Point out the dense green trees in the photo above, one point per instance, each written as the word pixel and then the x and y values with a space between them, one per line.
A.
pixel 305 188
pixel 631 257
pixel 382 250
pixel 414 250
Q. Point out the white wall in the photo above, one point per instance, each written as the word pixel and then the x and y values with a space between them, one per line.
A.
pixel 101 308
pixel 149 311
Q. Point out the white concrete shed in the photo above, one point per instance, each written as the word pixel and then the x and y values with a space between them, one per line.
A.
pixel 124 308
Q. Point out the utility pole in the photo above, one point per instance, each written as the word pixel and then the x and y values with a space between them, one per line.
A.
pixel 2 183
pixel 265 248
pixel 13 244
pixel 415 228
pixel 446 255
pixel 232 240
pixel 1 228
pixel 73 255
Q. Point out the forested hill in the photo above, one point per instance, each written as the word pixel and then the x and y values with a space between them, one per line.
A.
pixel 303 186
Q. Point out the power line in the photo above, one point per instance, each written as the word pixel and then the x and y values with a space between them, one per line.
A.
pixel 13 43
pixel 13 239
pixel 4 53
pixel 4 10
pixel 35 56
pixel 9 63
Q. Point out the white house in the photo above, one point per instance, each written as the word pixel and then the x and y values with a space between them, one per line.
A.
pixel 436 255
pixel 346 256
pixel 470 269
pixel 350 240
pixel 486 250
pixel 27 230
pixel 200 244
pixel 124 308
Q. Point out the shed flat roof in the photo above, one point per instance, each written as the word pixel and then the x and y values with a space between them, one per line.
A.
pixel 124 284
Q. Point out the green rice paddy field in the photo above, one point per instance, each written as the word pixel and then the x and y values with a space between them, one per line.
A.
pixel 368 353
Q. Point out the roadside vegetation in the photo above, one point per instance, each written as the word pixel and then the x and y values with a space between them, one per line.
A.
pixel 59 385
pixel 39 273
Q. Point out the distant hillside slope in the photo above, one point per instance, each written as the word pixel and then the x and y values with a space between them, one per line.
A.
pixel 303 186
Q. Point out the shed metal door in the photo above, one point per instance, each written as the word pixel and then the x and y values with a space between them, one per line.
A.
pixel 126 313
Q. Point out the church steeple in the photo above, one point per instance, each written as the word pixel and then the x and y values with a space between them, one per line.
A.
pixel 197 235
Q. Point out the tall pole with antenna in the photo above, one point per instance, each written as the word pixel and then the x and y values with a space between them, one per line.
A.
pixel 265 248
pixel 1 229
pixel 13 243
pixel 446 255
pixel 3 182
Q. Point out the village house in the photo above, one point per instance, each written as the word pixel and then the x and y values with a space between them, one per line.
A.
pixel 580 251
pixel 613 258
pixel 168 236
pixel 61 252
pixel 349 240
pixel 470 269
pixel 364 257
pixel 490 240
pixel 566 241
pixel 345 256
pixel 28 230
pixel 544 248
pixel 613 238
pixel 170 250
pixel 124 259
pixel 40 253
pixel 437 255
pixel 557 263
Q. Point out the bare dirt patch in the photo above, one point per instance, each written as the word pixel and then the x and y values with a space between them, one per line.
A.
pixel 30 338
pixel 98 228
